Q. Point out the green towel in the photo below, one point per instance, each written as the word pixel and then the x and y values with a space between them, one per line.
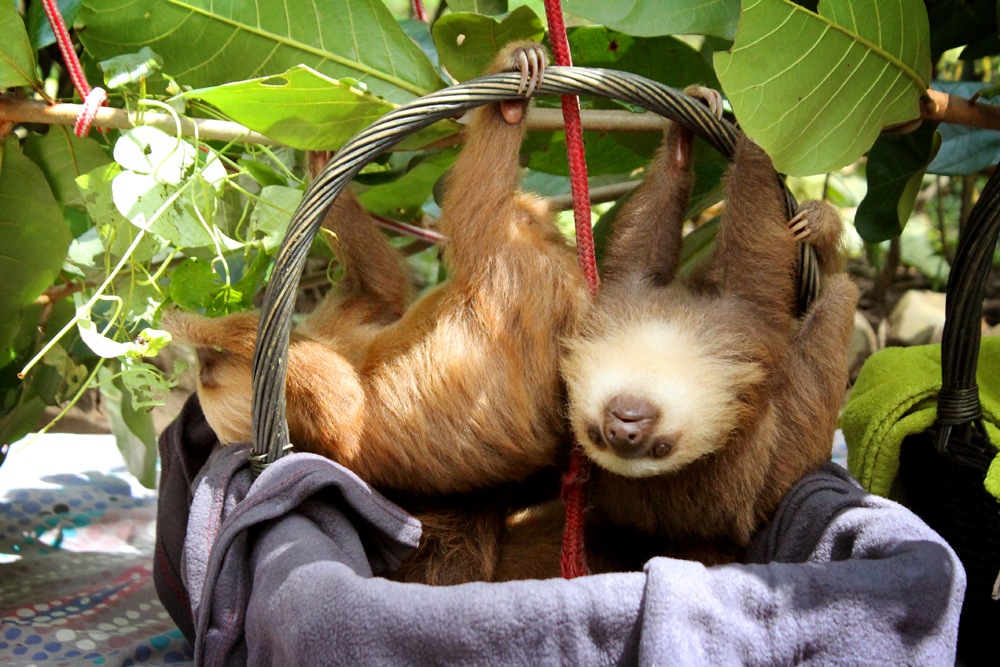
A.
pixel 896 396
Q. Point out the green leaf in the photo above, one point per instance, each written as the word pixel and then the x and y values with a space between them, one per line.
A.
pixel 272 213
pixel 307 110
pixel 63 157
pixel 192 284
pixel 17 58
pixel 169 159
pixel 665 59
pixel 815 90
pixel 262 173
pixel 39 30
pixel 492 7
pixel 115 231
pixel 204 43
pixel 605 155
pixel 129 68
pixel 420 33
pixel 33 235
pixel 896 166
pixel 468 43
pixel 964 150
pixel 649 18
pixel 133 429
pixel 403 198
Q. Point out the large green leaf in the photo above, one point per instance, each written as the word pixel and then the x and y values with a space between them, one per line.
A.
pixel 665 59
pixel 467 43
pixel 478 6
pixel 305 109
pixel 17 58
pixel 63 157
pixel 403 198
pixel 896 166
pixel 964 150
pixel 605 155
pixel 33 235
pixel 649 18
pixel 39 28
pixel 204 43
pixel 815 90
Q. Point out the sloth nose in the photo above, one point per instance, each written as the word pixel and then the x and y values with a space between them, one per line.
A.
pixel 627 423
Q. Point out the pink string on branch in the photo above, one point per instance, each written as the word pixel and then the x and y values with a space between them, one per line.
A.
pixel 418 11
pixel 573 560
pixel 92 98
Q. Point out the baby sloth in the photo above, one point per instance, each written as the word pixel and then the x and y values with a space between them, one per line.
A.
pixel 703 402
pixel 457 394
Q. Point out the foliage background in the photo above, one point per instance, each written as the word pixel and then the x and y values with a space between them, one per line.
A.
pixel 98 235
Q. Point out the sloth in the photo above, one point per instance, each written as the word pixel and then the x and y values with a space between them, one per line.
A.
pixel 445 404
pixel 700 402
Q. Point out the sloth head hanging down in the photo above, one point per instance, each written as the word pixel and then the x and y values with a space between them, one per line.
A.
pixel 702 400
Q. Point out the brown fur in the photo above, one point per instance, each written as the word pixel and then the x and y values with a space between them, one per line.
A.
pixel 746 397
pixel 458 393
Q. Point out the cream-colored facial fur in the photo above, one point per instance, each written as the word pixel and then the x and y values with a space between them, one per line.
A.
pixel 663 363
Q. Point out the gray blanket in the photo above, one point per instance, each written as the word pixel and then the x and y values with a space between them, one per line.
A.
pixel 285 572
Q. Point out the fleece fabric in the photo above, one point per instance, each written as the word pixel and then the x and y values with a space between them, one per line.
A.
pixel 285 571
pixel 896 396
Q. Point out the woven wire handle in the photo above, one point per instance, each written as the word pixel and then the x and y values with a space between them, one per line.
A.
pixel 271 439
pixel 959 409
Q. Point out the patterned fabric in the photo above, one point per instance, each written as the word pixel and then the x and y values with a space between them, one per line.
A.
pixel 76 549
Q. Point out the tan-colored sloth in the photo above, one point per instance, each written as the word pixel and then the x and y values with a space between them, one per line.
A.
pixel 700 403
pixel 457 394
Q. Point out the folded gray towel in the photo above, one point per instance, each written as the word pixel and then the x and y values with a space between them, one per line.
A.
pixel 284 572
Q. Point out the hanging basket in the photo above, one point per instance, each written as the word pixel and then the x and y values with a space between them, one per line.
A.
pixel 271 439
pixel 943 468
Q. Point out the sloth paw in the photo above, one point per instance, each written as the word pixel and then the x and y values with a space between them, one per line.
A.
pixel 818 222
pixel 711 98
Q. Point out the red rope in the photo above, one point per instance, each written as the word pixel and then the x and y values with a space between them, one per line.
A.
pixel 418 11
pixel 92 98
pixel 573 561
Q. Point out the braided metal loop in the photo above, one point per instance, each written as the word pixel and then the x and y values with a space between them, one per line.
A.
pixel 271 439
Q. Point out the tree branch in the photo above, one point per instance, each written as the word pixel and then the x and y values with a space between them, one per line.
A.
pixel 33 111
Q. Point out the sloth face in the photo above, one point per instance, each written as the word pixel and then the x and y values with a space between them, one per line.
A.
pixel 648 397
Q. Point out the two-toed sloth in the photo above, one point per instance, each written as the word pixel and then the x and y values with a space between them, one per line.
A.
pixel 458 393
pixel 700 402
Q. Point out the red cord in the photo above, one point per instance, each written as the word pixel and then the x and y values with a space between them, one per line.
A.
pixel 92 98
pixel 573 561
pixel 418 11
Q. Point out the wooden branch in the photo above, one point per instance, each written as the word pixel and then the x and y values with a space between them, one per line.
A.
pixel 599 195
pixel 33 111
pixel 947 108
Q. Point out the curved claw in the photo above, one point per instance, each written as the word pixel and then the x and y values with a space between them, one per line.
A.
pixel 711 98
pixel 533 78
pixel 799 226
pixel 522 60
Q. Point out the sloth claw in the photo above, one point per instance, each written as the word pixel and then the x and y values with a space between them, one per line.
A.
pixel 522 60
pixel 531 61
pixel 711 98
pixel 799 226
